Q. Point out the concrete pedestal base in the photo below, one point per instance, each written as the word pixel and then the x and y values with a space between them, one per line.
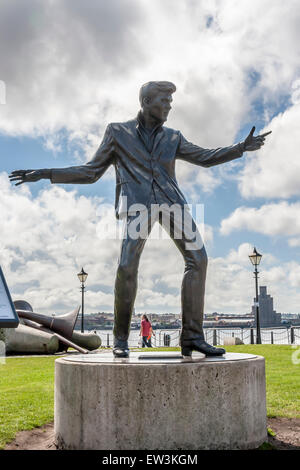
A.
pixel 132 404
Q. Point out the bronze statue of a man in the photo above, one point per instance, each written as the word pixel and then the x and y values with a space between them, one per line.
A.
pixel 144 152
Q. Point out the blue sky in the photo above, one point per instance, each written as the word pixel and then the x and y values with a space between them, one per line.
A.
pixel 75 74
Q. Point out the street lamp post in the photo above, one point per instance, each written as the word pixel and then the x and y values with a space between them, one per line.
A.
pixel 82 276
pixel 255 258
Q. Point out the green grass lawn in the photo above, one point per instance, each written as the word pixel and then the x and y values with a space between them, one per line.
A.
pixel 282 378
pixel 27 386
pixel 26 394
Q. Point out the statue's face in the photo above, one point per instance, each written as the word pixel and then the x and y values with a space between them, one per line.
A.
pixel 159 106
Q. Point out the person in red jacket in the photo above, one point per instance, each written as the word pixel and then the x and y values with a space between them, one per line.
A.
pixel 146 331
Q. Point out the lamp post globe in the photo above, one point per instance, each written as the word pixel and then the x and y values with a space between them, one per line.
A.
pixel 255 259
pixel 82 276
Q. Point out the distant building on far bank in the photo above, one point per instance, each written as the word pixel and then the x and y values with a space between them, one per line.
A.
pixel 267 315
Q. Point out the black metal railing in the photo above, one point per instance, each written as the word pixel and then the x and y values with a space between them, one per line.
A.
pixel 170 338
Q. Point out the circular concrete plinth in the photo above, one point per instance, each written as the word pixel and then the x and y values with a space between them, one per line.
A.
pixel 160 401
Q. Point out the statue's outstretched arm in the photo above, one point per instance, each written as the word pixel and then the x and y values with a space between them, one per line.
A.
pixel 81 174
pixel 210 157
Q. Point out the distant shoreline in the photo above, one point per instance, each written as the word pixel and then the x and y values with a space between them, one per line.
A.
pixel 170 327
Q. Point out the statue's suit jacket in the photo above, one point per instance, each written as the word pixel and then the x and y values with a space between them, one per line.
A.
pixel 136 168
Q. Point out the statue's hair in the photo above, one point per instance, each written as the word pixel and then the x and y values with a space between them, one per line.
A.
pixel 150 89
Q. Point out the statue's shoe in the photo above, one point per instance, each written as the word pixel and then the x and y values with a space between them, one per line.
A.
pixel 188 346
pixel 121 348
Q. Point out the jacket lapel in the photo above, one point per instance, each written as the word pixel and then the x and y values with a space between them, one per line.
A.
pixel 140 139
pixel 157 140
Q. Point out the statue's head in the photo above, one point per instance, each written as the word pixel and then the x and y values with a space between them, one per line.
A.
pixel 156 98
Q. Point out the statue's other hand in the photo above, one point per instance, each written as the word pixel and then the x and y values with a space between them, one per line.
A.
pixel 25 176
pixel 254 142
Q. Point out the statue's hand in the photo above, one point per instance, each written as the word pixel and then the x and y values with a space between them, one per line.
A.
pixel 254 143
pixel 26 176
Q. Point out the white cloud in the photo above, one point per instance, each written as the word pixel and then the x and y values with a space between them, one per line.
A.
pixel 270 219
pixel 293 242
pixel 74 67
pixel 230 283
pixel 240 256
pixel 44 242
pixel 274 171
pixel 70 67
pixel 294 274
pixel 275 274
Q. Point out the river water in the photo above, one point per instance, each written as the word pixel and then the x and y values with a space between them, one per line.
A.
pixel 279 335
